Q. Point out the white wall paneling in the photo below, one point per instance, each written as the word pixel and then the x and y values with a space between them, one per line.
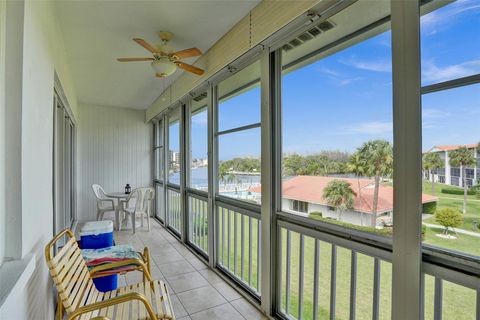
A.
pixel 114 148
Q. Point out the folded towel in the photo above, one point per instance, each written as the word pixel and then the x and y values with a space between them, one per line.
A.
pixel 97 257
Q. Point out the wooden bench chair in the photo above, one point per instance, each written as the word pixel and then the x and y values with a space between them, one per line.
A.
pixel 81 300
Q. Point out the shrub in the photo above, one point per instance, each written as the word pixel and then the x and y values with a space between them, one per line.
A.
pixel 429 207
pixel 449 218
pixel 476 190
pixel 387 231
pixel 316 214
pixel 424 231
pixel 470 192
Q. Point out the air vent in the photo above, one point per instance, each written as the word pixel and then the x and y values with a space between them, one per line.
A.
pixel 308 35
pixel 305 36
pixel 287 47
pixel 325 25
pixel 315 31
pixel 200 97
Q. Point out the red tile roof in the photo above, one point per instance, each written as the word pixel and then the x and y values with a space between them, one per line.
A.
pixel 310 189
pixel 456 146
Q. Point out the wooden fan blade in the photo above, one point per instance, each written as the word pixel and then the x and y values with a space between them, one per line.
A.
pixel 189 68
pixel 187 53
pixel 146 45
pixel 134 59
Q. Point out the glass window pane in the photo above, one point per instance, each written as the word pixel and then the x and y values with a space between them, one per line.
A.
pixel 160 202
pixel 174 147
pixel 199 146
pixel 337 130
pixel 156 140
pixel 240 99
pixel 450 162
pixel 158 151
pixel 239 166
pixel 450 40
pixel 158 168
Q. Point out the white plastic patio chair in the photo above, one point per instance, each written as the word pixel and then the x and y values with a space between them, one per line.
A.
pixel 104 204
pixel 142 207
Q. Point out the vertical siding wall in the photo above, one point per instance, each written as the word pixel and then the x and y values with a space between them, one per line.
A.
pixel 114 148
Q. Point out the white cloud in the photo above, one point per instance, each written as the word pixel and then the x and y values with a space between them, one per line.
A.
pixel 433 73
pixel 369 128
pixel 431 113
pixel 200 119
pixel 429 125
pixel 439 19
pixel 329 71
pixel 377 66
pixel 337 77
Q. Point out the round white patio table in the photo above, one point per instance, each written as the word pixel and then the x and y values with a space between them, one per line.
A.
pixel 118 196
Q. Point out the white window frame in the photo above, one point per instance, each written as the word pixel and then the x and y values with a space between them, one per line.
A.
pixel 64 165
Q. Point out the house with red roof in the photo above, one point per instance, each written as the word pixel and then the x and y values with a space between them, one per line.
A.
pixel 304 195
pixel 451 175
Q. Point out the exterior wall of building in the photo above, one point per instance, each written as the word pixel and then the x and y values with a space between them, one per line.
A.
pixel 353 217
pixel 454 176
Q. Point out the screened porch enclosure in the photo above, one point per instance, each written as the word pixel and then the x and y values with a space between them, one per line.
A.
pixel 242 161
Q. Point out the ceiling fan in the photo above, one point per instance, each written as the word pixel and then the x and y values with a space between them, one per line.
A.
pixel 165 60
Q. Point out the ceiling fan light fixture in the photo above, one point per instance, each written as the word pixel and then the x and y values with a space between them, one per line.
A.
pixel 164 67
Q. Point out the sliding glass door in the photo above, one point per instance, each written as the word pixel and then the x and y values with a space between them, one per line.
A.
pixel 63 167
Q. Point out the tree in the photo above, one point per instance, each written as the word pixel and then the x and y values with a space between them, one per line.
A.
pixel 356 166
pixel 377 157
pixel 339 194
pixel 222 173
pixel 449 218
pixel 318 164
pixel 432 162
pixel 463 158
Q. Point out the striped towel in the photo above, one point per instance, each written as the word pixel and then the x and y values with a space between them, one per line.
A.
pixel 98 257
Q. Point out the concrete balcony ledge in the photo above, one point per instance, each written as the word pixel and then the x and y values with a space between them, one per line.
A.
pixel 14 275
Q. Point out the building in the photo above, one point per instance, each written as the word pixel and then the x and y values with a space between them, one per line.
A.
pixel 453 176
pixel 304 195
pixel 174 159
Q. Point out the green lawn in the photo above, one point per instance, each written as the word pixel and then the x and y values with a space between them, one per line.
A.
pixel 427 188
pixel 456 202
pixel 458 302
pixel 464 243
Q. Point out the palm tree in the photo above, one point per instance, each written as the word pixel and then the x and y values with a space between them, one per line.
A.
pixel 224 175
pixel 377 156
pixel 339 194
pixel 462 158
pixel 432 162
pixel 356 166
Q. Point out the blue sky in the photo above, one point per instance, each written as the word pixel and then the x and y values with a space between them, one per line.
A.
pixel 341 101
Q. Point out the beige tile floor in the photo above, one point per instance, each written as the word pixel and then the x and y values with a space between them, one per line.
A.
pixel 196 291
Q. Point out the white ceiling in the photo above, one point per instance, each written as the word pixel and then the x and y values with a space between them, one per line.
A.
pixel 98 32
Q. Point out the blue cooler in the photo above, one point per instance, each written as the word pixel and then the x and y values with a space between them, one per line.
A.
pixel 97 235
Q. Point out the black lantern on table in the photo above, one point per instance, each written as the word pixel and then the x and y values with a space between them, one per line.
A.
pixel 128 189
